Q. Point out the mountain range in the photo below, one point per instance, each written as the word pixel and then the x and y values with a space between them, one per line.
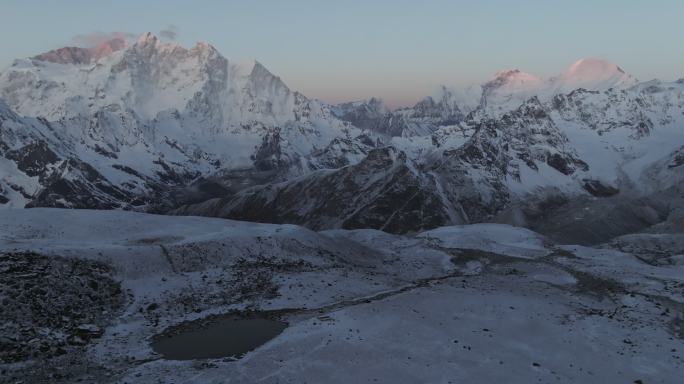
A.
pixel 152 126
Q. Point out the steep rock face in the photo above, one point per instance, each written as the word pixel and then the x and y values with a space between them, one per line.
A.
pixel 341 152
pixel 33 159
pixel 476 169
pixel 639 109
pixel 155 126
pixel 82 56
pixel 75 184
pixel 507 89
pixel 384 191
pixel 367 114
pixel 152 116
pixel 446 107
pixel 389 191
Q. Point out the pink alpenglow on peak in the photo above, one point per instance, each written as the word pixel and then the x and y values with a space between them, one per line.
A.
pixel 510 88
pixel 593 74
pixel 512 80
pixel 66 55
pixel 106 48
pixel 83 56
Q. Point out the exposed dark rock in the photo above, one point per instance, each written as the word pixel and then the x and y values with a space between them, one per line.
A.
pixel 564 164
pixel 172 176
pixel 51 304
pixel 270 156
pixel 127 169
pixel 677 159
pixel 34 158
pixel 75 184
pixel 368 115
pixel 384 191
pixel 598 189
pixel 106 153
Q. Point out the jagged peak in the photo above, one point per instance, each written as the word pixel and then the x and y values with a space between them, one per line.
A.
pixel 66 55
pixel 108 47
pixel 506 73
pixel 260 71
pixel 203 46
pixel 513 77
pixel 444 93
pixel 147 38
pixel 593 74
pixel 257 67
pixel 80 55
pixel 427 100
pixel 532 102
pixel 375 101
pixel 592 66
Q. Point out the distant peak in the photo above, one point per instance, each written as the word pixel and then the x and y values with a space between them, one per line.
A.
pixel 260 76
pixel 506 73
pixel 593 74
pixel 257 64
pixel 80 55
pixel 106 48
pixel 591 66
pixel 375 100
pixel 259 69
pixel 66 55
pixel 147 38
pixel 512 78
pixel 203 45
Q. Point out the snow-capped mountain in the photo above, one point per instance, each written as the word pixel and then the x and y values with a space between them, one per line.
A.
pixel 82 56
pixel 447 106
pixel 592 74
pixel 508 89
pixel 153 114
pixel 519 166
pixel 156 126
pixel 504 92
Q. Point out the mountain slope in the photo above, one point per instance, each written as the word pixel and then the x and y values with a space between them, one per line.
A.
pixel 158 127
pixel 155 115
pixel 528 166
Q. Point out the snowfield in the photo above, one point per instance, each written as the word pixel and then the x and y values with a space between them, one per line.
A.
pixel 495 238
pixel 480 303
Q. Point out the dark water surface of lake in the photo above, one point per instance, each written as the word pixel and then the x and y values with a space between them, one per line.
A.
pixel 228 336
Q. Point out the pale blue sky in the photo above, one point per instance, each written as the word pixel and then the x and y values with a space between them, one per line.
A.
pixel 396 49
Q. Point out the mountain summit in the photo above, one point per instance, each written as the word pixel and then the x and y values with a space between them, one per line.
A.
pixel 593 74
pixel 155 114
pixel 159 127
pixel 82 56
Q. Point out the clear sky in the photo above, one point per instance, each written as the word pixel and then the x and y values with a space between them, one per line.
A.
pixel 399 50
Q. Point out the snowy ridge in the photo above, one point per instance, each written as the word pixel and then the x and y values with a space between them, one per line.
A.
pixel 154 113
pixel 159 127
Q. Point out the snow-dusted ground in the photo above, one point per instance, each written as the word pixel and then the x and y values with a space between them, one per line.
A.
pixel 483 303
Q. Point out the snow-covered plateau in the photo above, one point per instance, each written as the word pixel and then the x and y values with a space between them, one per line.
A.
pixel 480 303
